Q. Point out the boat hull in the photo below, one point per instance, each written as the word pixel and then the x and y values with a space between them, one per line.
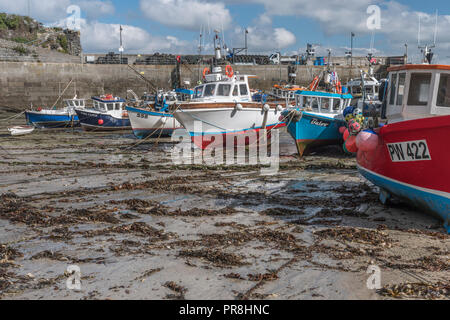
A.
pixel 410 161
pixel 147 123
pixel 42 120
pixel 314 130
pixel 212 127
pixel 20 130
pixel 94 121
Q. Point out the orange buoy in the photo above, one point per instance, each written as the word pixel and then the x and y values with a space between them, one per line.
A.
pixel 100 121
pixel 229 71
pixel 205 72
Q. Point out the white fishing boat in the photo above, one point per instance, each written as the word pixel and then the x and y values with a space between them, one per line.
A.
pixel 20 130
pixel 223 106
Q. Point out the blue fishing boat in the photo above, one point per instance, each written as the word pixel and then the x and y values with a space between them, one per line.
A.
pixel 107 114
pixel 56 118
pixel 316 119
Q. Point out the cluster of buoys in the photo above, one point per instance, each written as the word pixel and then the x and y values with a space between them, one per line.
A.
pixel 366 140
pixel 354 119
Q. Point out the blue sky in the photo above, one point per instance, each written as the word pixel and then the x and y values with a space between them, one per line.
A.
pixel 285 25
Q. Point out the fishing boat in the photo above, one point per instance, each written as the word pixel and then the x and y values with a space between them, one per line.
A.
pixel 316 119
pixel 408 157
pixel 56 118
pixel 223 106
pixel 106 114
pixel 154 119
pixel 20 130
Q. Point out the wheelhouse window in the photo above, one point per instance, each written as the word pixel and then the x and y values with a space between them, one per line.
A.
pixel 223 90
pixel 235 91
pixel 419 89
pixel 356 90
pixel 401 88
pixel 110 106
pixel 117 106
pixel 393 89
pixel 198 92
pixel 336 104
pixel 209 90
pixel 96 105
pixel 243 89
pixel 443 98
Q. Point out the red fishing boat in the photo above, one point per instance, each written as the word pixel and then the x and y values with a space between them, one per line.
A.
pixel 409 156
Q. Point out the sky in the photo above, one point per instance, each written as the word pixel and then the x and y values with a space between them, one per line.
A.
pixel 173 26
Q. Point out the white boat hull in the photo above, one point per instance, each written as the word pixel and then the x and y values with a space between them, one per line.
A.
pixel 226 120
pixel 145 122
pixel 20 130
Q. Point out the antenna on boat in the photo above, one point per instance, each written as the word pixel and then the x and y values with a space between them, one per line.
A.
pixel 426 49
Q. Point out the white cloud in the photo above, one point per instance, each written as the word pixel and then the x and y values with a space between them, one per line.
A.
pixel 187 14
pixel 43 11
pixel 95 8
pixel 263 37
pixel 103 37
pixel 52 11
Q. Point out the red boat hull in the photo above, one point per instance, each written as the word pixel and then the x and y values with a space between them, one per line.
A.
pixel 412 160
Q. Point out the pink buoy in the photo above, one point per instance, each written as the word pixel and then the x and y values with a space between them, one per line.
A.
pixel 346 134
pixel 100 121
pixel 342 129
pixel 350 144
pixel 366 141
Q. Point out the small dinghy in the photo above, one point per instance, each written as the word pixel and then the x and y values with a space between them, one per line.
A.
pixel 20 130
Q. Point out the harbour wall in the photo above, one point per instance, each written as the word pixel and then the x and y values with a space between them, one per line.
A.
pixel 40 84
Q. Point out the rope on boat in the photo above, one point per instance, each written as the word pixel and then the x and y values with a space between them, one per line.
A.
pixel 12 117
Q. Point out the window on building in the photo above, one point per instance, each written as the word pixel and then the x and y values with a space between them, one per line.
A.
pixel 443 98
pixel 419 89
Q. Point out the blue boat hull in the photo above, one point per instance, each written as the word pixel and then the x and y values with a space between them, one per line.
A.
pixel 432 201
pixel 90 121
pixel 42 120
pixel 313 130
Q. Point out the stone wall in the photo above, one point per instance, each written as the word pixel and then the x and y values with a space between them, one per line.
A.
pixel 23 83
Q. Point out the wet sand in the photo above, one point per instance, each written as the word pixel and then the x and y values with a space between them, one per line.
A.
pixel 140 227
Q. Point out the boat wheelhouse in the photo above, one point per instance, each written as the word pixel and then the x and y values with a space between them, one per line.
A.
pixel 408 157
pixel 316 119
pixel 107 113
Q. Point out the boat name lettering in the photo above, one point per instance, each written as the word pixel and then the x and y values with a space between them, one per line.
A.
pixel 320 123
pixel 409 151
pixel 142 115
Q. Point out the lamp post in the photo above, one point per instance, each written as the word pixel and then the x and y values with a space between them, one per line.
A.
pixel 351 49
pixel 406 53
pixel 246 48
pixel 121 47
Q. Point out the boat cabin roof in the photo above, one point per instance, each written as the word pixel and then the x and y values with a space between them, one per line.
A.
pixel 75 102
pixel 323 102
pixel 106 100
pixel 235 87
pixel 418 91
pixel 323 94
